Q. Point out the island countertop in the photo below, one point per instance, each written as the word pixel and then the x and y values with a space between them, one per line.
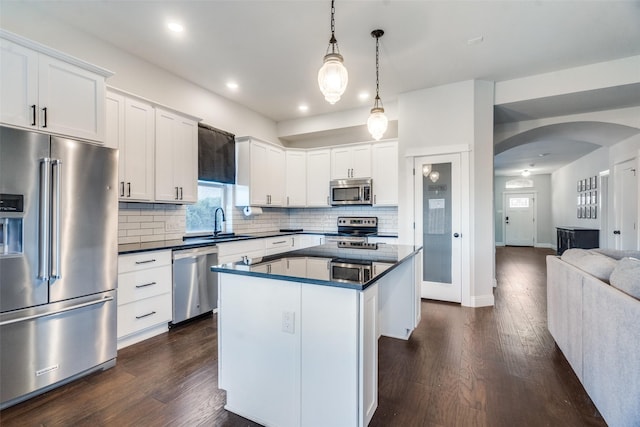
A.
pixel 332 264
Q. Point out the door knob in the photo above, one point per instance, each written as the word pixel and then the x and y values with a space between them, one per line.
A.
pixel 616 231
pixel 456 235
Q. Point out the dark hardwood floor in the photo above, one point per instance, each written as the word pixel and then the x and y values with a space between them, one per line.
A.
pixel 494 366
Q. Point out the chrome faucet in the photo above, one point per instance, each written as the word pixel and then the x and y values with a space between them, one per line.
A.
pixel 215 221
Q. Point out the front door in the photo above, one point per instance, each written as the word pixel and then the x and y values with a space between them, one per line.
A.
pixel 438 225
pixel 519 219
pixel 626 205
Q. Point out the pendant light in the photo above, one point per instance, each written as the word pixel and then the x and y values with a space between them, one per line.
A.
pixel 333 76
pixel 377 122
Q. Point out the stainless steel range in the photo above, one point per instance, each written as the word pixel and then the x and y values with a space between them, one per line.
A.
pixel 355 229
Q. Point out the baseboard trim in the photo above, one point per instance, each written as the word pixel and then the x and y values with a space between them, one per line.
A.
pixel 500 244
pixel 482 301
pixel 545 245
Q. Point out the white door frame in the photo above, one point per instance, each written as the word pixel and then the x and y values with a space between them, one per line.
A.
pixel 465 205
pixel 534 195
pixel 617 208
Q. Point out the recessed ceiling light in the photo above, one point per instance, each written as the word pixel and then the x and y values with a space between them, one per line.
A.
pixel 475 40
pixel 232 85
pixel 363 96
pixel 543 154
pixel 175 27
pixel 303 107
pixel 526 173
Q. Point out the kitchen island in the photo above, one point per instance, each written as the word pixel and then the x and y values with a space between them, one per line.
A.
pixel 298 331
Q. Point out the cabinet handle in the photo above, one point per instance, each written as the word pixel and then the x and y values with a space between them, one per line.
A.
pixel 146 284
pixel 287 200
pixel 44 110
pixel 121 188
pixel 33 112
pixel 181 193
pixel 128 189
pixel 279 242
pixel 177 193
pixel 145 262
pixel 328 201
pixel 145 315
pixel 375 198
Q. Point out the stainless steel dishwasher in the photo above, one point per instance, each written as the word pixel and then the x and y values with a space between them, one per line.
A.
pixel 195 286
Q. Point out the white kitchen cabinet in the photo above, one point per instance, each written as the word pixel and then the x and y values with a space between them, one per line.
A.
pixel 319 268
pixel 131 128
pixel 277 245
pixel 385 173
pixel 296 178
pixel 260 173
pixel 352 161
pixel 237 251
pixel 43 89
pixel 144 295
pixel 301 241
pixel 318 177
pixel 176 157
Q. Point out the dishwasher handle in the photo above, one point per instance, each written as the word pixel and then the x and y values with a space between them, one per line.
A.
pixel 194 252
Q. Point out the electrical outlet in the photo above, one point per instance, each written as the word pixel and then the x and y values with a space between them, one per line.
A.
pixel 288 321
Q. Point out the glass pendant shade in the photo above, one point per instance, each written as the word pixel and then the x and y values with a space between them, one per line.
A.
pixel 333 77
pixel 426 170
pixel 377 123
pixel 434 176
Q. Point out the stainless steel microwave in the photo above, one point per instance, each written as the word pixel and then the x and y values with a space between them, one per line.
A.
pixel 350 192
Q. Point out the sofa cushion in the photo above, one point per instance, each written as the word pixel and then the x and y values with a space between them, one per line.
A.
pixel 596 264
pixel 617 253
pixel 626 276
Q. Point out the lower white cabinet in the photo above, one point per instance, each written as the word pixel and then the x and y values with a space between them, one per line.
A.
pixel 144 295
pixel 378 239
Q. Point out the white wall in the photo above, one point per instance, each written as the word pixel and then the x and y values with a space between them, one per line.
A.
pixel 542 189
pixel 564 189
pixel 446 118
pixel 139 77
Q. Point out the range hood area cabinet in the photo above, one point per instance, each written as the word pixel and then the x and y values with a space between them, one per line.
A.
pixel 260 173
pixel 158 149
pixel 269 175
pixel 46 90
pixel 351 162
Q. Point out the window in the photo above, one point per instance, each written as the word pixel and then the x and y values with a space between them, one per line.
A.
pixel 519 202
pixel 211 195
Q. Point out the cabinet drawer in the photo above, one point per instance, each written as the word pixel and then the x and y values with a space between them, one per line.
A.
pixel 278 245
pixel 137 285
pixel 139 315
pixel 240 248
pixel 143 261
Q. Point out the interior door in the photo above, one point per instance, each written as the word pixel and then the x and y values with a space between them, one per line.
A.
pixel 626 205
pixel 519 219
pixel 438 225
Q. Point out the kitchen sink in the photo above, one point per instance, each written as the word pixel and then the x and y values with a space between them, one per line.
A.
pixel 225 236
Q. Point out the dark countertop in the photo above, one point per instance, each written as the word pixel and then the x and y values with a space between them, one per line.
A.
pixel 196 242
pixel 385 257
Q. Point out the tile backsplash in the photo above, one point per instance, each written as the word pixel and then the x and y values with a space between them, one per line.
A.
pixel 146 222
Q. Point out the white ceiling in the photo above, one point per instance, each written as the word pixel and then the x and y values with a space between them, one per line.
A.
pixel 273 49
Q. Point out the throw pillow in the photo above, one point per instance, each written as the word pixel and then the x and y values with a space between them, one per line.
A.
pixel 626 276
pixel 598 265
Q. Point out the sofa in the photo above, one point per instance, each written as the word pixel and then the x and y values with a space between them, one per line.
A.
pixel 593 314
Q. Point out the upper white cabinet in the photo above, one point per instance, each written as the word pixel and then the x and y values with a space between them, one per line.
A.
pixel 131 128
pixel 176 155
pixel 385 173
pixel 318 177
pixel 296 178
pixel 45 90
pixel 352 161
pixel 260 173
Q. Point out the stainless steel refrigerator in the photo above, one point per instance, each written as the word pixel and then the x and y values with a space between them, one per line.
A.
pixel 58 261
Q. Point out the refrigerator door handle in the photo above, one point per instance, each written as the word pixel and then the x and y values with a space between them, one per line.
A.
pixel 51 313
pixel 56 201
pixel 44 243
